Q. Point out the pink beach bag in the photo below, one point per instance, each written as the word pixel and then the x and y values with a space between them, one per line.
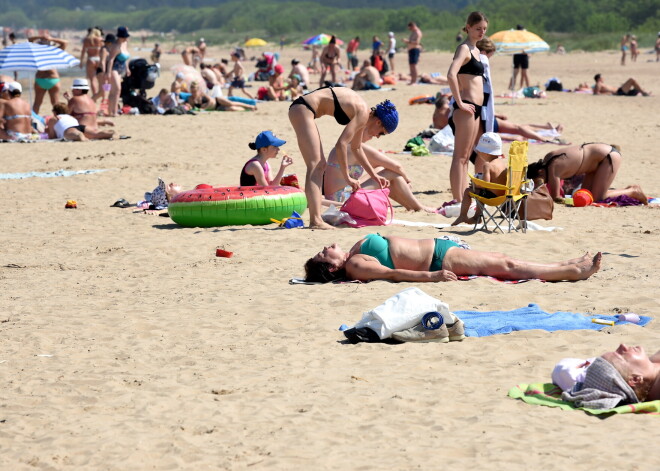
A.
pixel 369 207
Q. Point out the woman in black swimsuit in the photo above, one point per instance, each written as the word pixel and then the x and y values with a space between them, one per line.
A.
pixel 351 111
pixel 599 163
pixel 330 60
pixel 465 77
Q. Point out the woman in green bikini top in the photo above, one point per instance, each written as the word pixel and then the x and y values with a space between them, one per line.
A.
pixel 429 260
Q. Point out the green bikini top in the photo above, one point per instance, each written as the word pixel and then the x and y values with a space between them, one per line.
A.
pixel 377 246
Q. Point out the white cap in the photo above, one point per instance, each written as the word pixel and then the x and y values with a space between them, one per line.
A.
pixel 490 143
pixel 390 34
pixel 14 86
pixel 80 84
pixel 180 75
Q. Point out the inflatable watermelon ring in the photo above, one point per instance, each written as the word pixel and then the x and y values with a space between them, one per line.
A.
pixel 206 206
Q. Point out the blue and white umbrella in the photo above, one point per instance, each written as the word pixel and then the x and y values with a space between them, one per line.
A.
pixel 32 57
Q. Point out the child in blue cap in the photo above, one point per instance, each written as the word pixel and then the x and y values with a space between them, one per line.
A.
pixel 256 172
pixel 351 111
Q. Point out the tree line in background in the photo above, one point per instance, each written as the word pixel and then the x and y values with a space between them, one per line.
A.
pixel 292 18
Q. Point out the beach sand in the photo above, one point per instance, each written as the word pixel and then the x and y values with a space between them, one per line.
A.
pixel 127 344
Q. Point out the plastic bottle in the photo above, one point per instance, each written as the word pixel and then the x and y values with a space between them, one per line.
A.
pixel 629 317
pixel 451 211
pixel 346 192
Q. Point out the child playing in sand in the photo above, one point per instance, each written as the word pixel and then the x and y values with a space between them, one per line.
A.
pixel 256 172
pixel 493 166
pixel 236 73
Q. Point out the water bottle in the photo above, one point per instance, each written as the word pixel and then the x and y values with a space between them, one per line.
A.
pixel 451 211
pixel 346 192
pixel 629 317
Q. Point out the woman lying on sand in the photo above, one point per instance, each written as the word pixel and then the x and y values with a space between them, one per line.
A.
pixel 429 260
pixel 400 190
pixel 637 370
pixel 598 162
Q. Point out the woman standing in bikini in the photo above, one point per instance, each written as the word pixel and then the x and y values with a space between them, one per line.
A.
pixel 46 80
pixel 599 163
pixel 92 48
pixel 330 60
pixel 466 80
pixel 350 111
pixel 116 67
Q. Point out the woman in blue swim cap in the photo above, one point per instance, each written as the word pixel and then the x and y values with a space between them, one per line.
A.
pixel 350 111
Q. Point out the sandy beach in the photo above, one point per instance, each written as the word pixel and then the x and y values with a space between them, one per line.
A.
pixel 127 344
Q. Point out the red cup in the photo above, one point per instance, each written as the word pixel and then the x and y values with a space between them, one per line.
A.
pixel 223 253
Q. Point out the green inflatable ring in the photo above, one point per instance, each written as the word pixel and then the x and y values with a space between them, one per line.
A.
pixel 206 206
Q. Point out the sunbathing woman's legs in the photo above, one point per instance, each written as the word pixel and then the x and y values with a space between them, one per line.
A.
pixel 399 191
pixel 473 262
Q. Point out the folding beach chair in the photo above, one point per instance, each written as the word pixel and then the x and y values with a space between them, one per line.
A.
pixel 510 208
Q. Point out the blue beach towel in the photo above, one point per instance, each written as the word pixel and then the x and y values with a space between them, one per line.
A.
pixel 483 324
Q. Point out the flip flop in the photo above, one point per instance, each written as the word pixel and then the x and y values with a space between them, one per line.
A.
pixel 120 203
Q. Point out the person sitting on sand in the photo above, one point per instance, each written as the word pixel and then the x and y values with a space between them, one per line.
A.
pixel 82 107
pixel 430 260
pixel 165 101
pixel 629 88
pixel 179 84
pixel 200 100
pixel 368 78
pixel 256 171
pixel 492 164
pixel 64 126
pixel 275 89
pixel 299 69
pixel 15 113
pixel 598 162
pixel 637 370
pixel 386 167
pixel 294 87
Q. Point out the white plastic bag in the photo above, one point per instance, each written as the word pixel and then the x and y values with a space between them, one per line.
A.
pixel 402 311
pixel 334 217
pixel 442 141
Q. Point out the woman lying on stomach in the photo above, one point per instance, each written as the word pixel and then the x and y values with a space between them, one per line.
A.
pixel 429 260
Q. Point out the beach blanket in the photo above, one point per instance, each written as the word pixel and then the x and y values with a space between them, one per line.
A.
pixel 57 173
pixel 548 394
pixel 485 323
pixel 531 226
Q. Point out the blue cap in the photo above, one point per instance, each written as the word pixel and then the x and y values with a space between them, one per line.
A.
pixel 388 115
pixel 266 138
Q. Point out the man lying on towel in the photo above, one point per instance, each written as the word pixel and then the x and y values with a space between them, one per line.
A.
pixel 625 376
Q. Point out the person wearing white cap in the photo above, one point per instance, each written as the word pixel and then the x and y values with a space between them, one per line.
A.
pixel 82 107
pixel 16 113
pixel 494 168
pixel 391 49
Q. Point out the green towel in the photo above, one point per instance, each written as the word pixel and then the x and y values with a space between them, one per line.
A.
pixel 548 394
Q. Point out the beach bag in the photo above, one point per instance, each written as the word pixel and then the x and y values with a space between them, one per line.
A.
pixel 540 204
pixel 442 141
pixel 403 311
pixel 369 207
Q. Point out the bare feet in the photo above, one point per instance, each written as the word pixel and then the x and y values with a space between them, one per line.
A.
pixel 466 220
pixel 322 225
pixel 558 128
pixel 587 267
pixel 575 261
pixel 637 193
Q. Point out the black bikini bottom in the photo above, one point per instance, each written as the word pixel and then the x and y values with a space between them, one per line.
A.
pixel 301 101
pixel 477 114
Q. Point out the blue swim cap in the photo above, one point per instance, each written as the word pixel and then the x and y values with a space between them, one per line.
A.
pixel 388 115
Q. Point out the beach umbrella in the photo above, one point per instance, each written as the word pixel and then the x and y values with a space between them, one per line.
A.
pixel 321 40
pixel 32 57
pixel 517 41
pixel 255 42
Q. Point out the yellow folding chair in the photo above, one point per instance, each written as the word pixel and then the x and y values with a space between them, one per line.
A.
pixel 511 207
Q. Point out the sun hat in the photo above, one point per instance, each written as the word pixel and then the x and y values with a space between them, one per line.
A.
pixel 266 138
pixel 13 87
pixel 110 38
pixel 490 143
pixel 122 32
pixel 80 84
pixel 388 115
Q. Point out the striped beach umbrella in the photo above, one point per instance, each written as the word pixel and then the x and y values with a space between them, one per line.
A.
pixel 321 40
pixel 516 41
pixel 32 57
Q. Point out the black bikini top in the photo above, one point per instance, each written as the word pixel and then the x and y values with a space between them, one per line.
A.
pixel 473 67
pixel 340 115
